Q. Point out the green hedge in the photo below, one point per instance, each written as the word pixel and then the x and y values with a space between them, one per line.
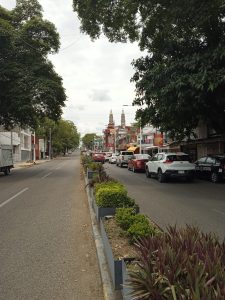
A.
pixel 136 226
pixel 109 184
pixel 112 194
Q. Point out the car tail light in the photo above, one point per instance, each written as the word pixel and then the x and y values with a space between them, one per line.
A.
pixel 168 161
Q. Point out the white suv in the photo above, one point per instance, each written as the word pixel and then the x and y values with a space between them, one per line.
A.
pixel 168 165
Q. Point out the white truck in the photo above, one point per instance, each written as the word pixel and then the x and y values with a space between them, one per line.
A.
pixel 6 159
pixel 123 157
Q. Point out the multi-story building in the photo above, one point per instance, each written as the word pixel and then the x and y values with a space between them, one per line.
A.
pixel 24 143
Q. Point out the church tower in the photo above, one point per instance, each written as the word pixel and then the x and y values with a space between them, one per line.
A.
pixel 111 122
pixel 123 122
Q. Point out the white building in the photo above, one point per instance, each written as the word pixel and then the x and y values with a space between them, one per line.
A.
pixel 21 140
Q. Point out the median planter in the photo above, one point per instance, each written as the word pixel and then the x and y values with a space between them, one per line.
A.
pixel 126 290
pixel 90 174
pixel 115 265
pixel 101 212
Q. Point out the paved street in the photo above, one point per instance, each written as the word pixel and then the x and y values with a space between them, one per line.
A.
pixel 200 203
pixel 47 250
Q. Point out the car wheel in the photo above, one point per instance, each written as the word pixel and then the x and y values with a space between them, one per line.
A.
pixel 190 179
pixel 214 177
pixel 161 176
pixel 7 171
pixel 133 169
pixel 148 175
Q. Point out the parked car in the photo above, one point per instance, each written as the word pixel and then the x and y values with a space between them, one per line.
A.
pixel 107 155
pixel 98 157
pixel 112 159
pixel 123 157
pixel 170 165
pixel 137 162
pixel 211 167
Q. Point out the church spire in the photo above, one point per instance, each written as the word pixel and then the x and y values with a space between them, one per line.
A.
pixel 111 122
pixel 123 122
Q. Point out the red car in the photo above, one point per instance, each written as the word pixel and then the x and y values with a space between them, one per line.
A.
pixel 98 157
pixel 137 162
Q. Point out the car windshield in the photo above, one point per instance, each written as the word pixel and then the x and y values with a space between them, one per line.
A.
pixel 178 157
pixel 127 153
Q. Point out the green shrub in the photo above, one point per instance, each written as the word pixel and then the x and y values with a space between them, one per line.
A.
pixel 125 217
pixel 140 228
pixel 113 196
pixel 180 264
pixel 110 183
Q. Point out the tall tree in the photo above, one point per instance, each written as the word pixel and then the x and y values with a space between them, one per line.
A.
pixel 64 134
pixel 88 140
pixel 65 137
pixel 30 89
pixel 182 79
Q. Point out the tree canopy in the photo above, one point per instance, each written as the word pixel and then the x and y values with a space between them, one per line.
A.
pixel 88 140
pixel 64 134
pixel 181 80
pixel 30 89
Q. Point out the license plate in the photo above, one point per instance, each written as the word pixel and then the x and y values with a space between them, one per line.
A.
pixel 220 170
pixel 181 172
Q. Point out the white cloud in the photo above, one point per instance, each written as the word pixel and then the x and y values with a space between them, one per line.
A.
pixel 100 96
pixel 96 75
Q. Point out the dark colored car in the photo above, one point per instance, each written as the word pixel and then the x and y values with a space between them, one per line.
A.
pixel 98 157
pixel 137 162
pixel 211 167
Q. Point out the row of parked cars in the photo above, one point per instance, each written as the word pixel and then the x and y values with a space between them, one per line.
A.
pixel 172 165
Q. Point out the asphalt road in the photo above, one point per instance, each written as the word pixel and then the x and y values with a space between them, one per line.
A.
pixel 200 203
pixel 46 245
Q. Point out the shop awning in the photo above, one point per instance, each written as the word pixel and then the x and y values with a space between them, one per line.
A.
pixel 132 148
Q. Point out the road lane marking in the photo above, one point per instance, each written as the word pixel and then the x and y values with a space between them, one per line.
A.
pixel 219 212
pixel 13 197
pixel 59 166
pixel 46 175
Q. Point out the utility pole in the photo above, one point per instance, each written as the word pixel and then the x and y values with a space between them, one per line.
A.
pixel 50 143
pixel 34 150
pixel 140 138
pixel 115 140
pixel 11 134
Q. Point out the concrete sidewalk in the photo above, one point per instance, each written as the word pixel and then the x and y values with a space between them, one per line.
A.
pixel 30 163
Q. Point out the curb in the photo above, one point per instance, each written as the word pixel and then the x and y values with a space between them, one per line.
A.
pixel 108 290
pixel 19 165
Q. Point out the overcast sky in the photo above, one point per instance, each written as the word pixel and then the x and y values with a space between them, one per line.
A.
pixel 96 75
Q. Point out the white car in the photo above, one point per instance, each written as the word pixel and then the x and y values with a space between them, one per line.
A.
pixel 170 165
pixel 112 158
pixel 107 155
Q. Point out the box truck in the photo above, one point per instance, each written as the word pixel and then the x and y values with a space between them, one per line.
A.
pixel 6 159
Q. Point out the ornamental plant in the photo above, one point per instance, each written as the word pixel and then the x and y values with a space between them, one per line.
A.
pixel 100 175
pixel 179 264
pixel 125 217
pixel 135 225
pixel 110 183
pixel 113 195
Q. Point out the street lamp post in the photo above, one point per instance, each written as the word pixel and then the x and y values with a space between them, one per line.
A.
pixel 140 137
pixel 140 134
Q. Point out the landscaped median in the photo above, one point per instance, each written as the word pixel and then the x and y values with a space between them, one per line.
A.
pixel 147 263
